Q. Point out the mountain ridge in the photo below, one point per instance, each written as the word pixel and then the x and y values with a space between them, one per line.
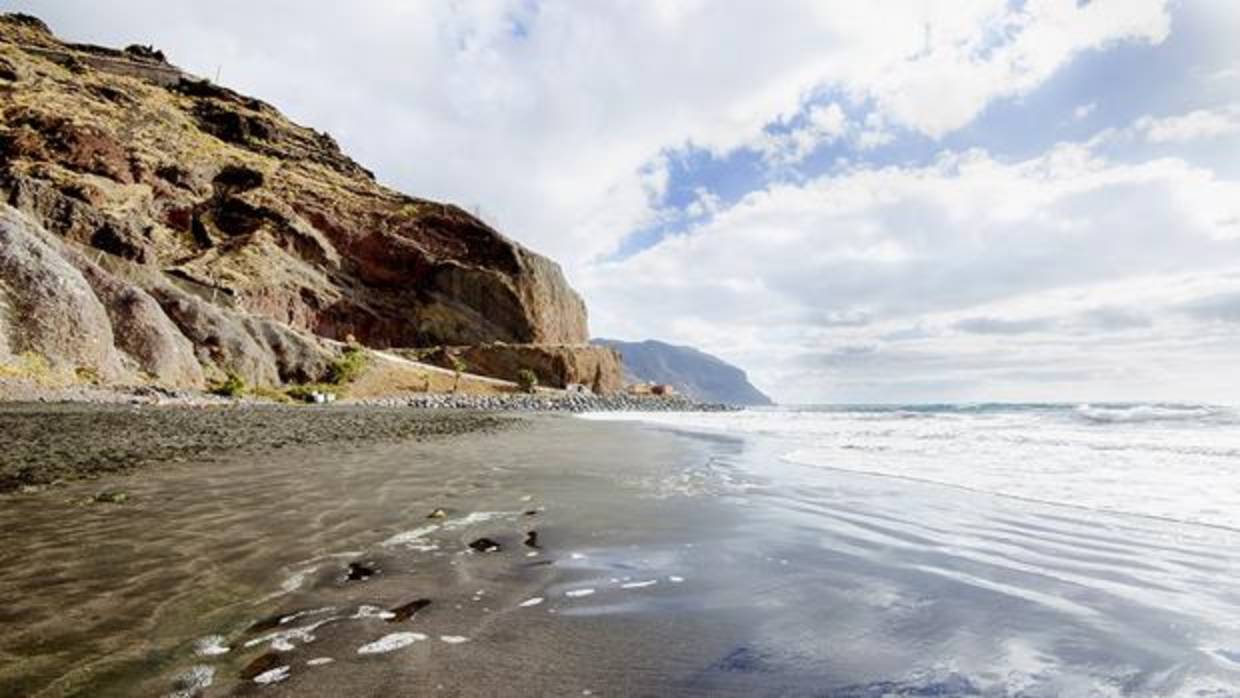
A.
pixel 691 371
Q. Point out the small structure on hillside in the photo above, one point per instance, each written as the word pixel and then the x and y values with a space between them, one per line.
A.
pixel 578 389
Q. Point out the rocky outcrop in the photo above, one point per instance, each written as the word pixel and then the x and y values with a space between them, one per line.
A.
pixel 197 230
pixel 556 366
pixel 49 306
pixel 692 372
pixel 127 323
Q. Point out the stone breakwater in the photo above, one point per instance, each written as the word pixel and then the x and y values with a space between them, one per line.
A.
pixel 547 403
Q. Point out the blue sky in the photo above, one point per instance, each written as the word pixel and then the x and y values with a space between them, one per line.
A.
pixel 886 201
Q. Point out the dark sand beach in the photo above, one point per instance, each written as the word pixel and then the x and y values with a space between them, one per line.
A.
pixel 663 562
pixel 139 598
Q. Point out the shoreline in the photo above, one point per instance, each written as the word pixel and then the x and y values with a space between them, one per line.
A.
pixel 24 391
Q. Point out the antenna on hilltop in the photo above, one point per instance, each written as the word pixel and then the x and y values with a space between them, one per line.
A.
pixel 218 68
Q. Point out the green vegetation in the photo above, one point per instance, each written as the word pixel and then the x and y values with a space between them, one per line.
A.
pixel 348 366
pixel 527 380
pixel 87 375
pixel 232 386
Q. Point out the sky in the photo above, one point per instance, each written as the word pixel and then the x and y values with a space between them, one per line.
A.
pixel 884 201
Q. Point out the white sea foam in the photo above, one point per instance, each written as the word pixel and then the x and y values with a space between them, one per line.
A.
pixel 210 646
pixel 319 661
pixel 453 639
pixel 273 676
pixel 472 519
pixel 193 682
pixel 414 539
pixel 577 593
pixel 531 602
pixel 390 643
pixel 1164 461
pixel 640 585
pixel 368 611
pixel 303 634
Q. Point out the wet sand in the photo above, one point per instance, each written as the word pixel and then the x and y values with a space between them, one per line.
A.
pixel 668 563
pixel 140 598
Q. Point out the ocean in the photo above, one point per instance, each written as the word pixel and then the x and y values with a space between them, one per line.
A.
pixel 982 549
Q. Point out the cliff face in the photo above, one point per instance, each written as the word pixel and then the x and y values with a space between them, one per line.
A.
pixel 202 221
pixel 694 373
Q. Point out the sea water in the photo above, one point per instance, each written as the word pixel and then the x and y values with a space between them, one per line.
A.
pixel 982 549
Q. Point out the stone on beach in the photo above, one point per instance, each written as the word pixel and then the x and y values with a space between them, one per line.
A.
pixel 260 665
pixel 485 545
pixel 407 611
pixel 360 572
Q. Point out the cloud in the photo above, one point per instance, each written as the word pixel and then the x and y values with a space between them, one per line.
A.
pixel 1001 326
pixel 553 118
pixel 1196 125
pixel 1031 261
pixel 1224 307
pixel 1084 110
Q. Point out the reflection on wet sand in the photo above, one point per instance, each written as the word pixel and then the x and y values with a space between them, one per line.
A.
pixel 615 559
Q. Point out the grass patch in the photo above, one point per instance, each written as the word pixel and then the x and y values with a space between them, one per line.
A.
pixel 28 365
pixel 232 386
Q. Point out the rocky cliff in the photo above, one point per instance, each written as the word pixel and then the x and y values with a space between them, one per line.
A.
pixel 157 224
pixel 694 373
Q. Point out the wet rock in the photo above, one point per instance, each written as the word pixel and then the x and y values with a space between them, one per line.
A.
pixel 407 611
pixel 261 665
pixel 531 539
pixel 437 514
pixel 531 512
pixel 360 572
pixel 485 545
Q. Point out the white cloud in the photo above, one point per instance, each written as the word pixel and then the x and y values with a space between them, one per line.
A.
pixel 551 117
pixel 1043 262
pixel 1084 110
pixel 1195 125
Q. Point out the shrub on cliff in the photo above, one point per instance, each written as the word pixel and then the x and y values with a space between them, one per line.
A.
pixel 232 386
pixel 527 380
pixel 348 366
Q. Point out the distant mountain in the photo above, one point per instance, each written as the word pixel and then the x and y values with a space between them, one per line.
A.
pixel 694 373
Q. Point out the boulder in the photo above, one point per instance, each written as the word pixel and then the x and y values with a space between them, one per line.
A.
pixel 50 309
pixel 142 330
